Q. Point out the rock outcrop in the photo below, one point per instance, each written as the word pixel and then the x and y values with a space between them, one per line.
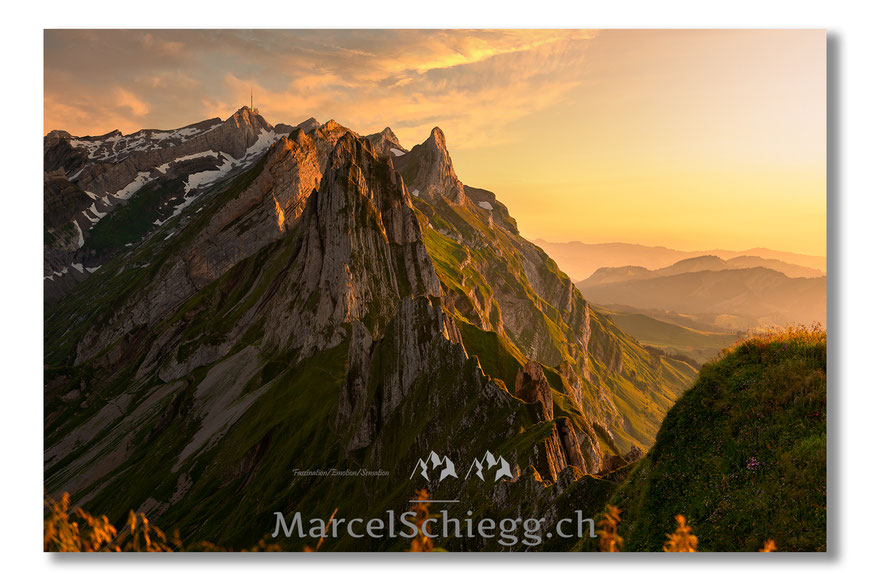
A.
pixel 428 170
pixel 361 250
pixel 386 143
pixel 532 386
pixel 260 214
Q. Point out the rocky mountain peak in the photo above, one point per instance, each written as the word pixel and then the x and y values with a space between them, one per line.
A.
pixel 355 168
pixel 361 251
pixel 332 125
pixel 386 143
pixel 437 140
pixel 56 135
pixel 245 117
pixel 309 124
pixel 348 149
pixel 428 170
pixel 388 134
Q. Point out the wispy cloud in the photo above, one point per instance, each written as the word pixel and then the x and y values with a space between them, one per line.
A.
pixel 475 81
pixel 127 100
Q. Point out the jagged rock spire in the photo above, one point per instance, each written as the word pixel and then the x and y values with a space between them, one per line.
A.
pixel 428 170
pixel 361 251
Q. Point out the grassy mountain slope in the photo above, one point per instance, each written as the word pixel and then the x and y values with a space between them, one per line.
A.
pixel 495 281
pixel 741 454
pixel 698 345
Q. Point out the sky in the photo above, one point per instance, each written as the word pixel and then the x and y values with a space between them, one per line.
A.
pixel 692 139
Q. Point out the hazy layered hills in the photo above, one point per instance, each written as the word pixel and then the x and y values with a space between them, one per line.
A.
pixel 737 298
pixel 580 260
pixel 330 300
pixel 609 275
pixel 677 334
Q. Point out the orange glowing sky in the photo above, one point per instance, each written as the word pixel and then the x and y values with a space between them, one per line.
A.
pixel 691 139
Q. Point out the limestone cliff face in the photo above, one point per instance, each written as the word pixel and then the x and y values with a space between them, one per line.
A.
pixel 220 238
pixel 361 249
pixel 420 342
pixel 531 386
pixel 570 442
pixel 261 214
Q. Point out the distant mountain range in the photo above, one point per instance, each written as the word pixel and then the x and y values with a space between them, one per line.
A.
pixel 580 260
pixel 608 275
pixel 735 297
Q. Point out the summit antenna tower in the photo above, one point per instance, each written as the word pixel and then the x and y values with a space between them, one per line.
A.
pixel 254 111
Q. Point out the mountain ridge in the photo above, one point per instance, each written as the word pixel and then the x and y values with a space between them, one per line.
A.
pixel 308 309
pixel 605 275
pixel 757 297
pixel 581 259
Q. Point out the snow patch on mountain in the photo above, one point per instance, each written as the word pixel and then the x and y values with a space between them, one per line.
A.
pixel 95 212
pixel 210 153
pixel 141 179
pixel 197 180
pixel 56 273
pixel 485 205
pixel 91 146
pixel 264 140
pixel 117 147
pixel 397 152
pixel 81 234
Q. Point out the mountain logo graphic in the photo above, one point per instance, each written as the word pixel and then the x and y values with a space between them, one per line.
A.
pixel 487 463
pixel 434 462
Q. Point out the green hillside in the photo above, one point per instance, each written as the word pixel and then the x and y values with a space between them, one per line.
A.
pixel 741 454
pixel 699 345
